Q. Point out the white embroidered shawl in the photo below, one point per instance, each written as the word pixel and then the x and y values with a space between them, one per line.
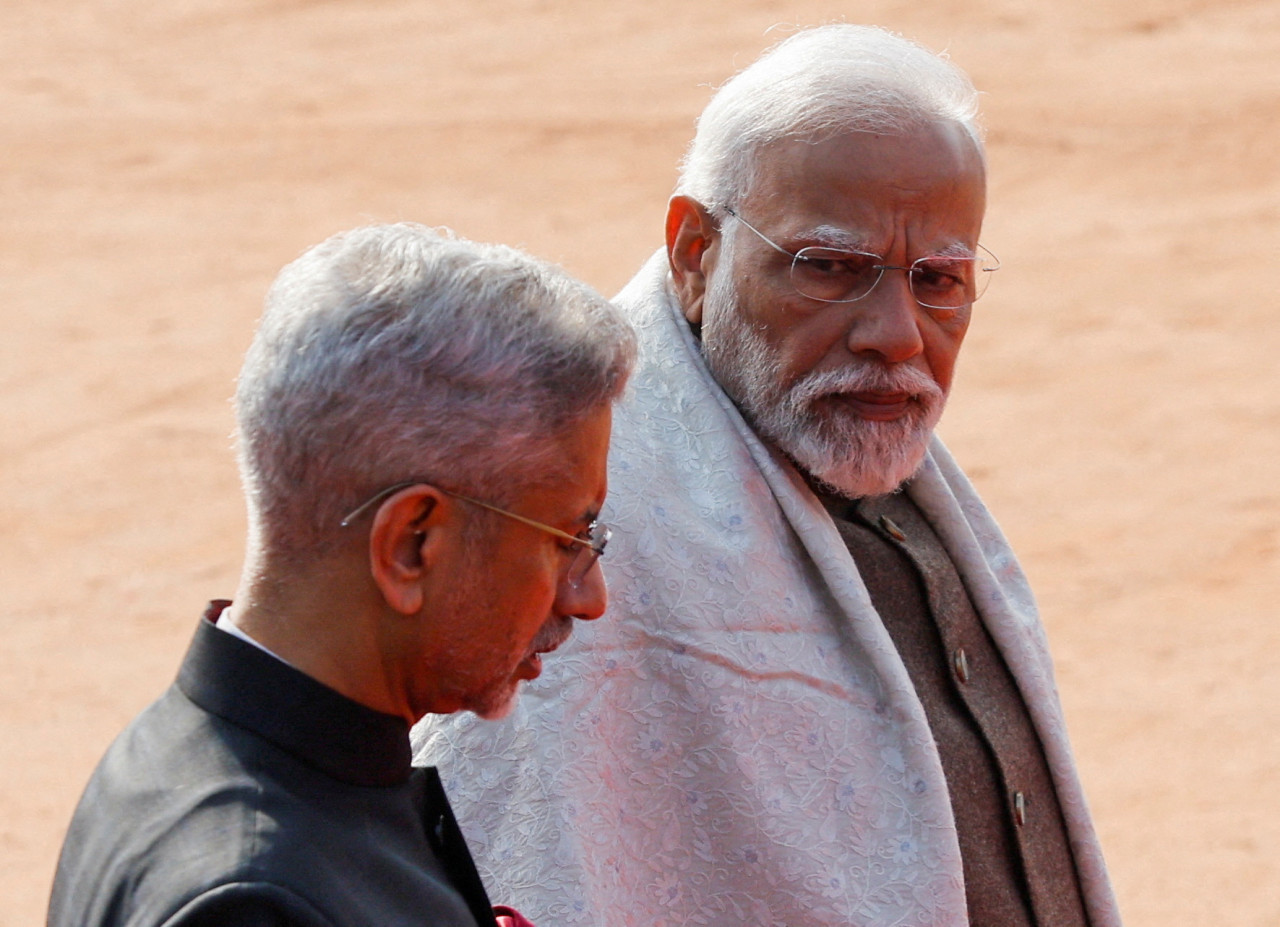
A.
pixel 737 741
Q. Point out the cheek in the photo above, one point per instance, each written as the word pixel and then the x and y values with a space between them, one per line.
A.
pixel 786 323
pixel 530 603
pixel 754 297
pixel 811 343
pixel 942 348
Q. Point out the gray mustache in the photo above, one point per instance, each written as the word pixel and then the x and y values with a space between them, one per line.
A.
pixel 863 378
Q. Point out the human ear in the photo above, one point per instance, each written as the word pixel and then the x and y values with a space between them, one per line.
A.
pixel 690 233
pixel 404 543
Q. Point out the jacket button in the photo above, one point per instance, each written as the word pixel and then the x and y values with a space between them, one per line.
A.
pixel 891 528
pixel 960 660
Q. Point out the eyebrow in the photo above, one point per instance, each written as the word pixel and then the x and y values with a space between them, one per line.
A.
pixel 955 250
pixel 587 517
pixel 832 236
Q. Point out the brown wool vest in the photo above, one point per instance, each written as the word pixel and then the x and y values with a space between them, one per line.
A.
pixel 1018 867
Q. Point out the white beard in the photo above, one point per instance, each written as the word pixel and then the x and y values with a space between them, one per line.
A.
pixel 852 455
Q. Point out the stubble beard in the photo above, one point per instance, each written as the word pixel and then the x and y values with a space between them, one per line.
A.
pixel 851 455
pixel 499 700
pixel 497 703
pixel 470 600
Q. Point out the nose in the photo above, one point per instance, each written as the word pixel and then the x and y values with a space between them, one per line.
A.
pixel 886 322
pixel 586 600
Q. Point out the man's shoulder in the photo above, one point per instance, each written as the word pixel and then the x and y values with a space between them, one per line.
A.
pixel 159 811
pixel 171 752
pixel 181 803
pixel 649 283
pixel 190 814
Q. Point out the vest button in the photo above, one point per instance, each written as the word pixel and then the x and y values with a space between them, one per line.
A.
pixel 891 528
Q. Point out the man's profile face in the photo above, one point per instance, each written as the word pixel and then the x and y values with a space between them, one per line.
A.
pixel 509 599
pixel 850 390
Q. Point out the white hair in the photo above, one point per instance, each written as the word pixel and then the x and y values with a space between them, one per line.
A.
pixel 817 84
pixel 398 352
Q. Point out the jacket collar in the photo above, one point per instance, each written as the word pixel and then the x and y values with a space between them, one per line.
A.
pixel 242 684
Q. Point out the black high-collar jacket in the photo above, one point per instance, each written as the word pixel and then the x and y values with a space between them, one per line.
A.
pixel 250 793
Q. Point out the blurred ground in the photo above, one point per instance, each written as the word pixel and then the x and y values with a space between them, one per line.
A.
pixel 1118 402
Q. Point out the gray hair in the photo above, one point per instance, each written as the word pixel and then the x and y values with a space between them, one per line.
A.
pixel 398 352
pixel 819 83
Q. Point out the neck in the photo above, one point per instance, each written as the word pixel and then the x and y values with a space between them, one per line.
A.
pixel 322 618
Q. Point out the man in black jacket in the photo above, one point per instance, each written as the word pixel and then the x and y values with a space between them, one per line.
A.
pixel 423 425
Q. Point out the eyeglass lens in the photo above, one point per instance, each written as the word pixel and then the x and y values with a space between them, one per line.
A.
pixel 846 276
pixel 588 554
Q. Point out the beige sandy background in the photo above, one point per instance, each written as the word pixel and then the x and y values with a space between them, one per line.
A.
pixel 1118 401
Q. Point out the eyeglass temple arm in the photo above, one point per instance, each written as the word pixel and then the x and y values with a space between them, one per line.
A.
pixel 761 235
pixel 375 500
pixel 520 518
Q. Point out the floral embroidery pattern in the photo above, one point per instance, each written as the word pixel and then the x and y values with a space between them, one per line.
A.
pixel 736 741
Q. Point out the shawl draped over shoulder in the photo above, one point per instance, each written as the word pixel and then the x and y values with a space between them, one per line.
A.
pixel 737 741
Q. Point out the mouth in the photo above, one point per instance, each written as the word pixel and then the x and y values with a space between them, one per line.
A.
pixel 531 666
pixel 875 405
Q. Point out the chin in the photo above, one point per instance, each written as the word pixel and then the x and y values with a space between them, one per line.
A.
pixel 856 475
pixel 498 712
pixel 494 706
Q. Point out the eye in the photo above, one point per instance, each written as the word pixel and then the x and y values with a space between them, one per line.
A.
pixel 825 262
pixel 582 539
pixel 832 275
pixel 943 277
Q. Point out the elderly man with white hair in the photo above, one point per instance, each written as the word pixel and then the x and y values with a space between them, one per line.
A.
pixel 423 429
pixel 825 696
